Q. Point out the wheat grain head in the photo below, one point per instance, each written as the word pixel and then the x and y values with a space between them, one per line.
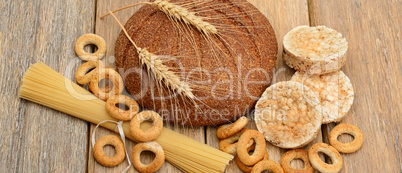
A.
pixel 181 13
pixel 160 71
pixel 163 74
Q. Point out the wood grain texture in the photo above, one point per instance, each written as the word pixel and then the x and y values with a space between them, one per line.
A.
pixel 283 16
pixel 35 138
pixel 109 30
pixel 374 66
pixel 38 139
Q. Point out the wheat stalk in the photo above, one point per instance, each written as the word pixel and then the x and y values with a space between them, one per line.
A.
pixel 160 71
pixel 180 13
pixel 163 74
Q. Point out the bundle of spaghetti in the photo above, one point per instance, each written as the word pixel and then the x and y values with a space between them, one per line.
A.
pixel 43 85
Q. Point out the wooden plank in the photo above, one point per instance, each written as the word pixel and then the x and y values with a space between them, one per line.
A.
pixel 373 30
pixel 109 30
pixel 35 138
pixel 283 16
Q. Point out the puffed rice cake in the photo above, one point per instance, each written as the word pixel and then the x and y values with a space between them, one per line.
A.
pixel 334 91
pixel 315 50
pixel 288 114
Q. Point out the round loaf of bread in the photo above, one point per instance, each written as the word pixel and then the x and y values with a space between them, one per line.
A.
pixel 227 71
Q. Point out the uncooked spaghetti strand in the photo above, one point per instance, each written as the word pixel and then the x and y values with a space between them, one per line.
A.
pixel 195 154
pixel 191 141
pixel 189 164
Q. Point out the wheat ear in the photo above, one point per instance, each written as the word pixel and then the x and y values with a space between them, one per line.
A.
pixel 180 13
pixel 160 71
pixel 163 74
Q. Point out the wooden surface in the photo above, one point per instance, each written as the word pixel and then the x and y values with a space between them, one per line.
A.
pixel 374 66
pixel 37 139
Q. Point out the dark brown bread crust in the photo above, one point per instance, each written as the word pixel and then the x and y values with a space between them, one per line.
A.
pixel 248 40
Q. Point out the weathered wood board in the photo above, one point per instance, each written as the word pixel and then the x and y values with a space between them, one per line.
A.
pixel 35 138
pixel 38 139
pixel 374 66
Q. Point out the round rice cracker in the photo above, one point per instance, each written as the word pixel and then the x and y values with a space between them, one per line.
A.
pixel 314 50
pixel 288 114
pixel 334 90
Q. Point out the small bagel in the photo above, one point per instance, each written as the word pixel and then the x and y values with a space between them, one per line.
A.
pixel 259 151
pixel 229 144
pixel 227 130
pixel 321 166
pixel 267 165
pixel 296 154
pixel 106 73
pixel 88 39
pixel 149 134
pixel 105 160
pixel 83 76
pixel 246 168
pixel 118 113
pixel 346 147
pixel 155 164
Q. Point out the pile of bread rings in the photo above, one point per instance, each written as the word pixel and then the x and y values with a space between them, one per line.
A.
pixel 92 72
pixel 289 114
pixel 247 141
pixel 239 141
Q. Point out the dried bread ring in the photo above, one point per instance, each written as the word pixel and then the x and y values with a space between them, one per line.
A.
pixel 226 130
pixel 118 113
pixel 106 73
pixel 229 144
pixel 296 154
pixel 155 164
pixel 346 147
pixel 246 168
pixel 151 133
pixel 315 50
pixel 288 114
pixel 321 166
pixel 105 160
pixel 267 165
pixel 88 39
pixel 259 151
pixel 84 75
pixel 334 91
